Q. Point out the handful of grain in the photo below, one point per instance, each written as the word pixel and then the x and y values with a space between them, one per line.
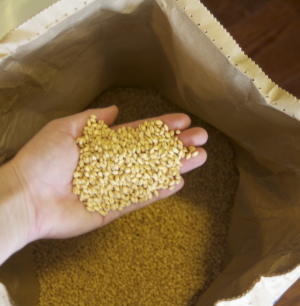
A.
pixel 124 166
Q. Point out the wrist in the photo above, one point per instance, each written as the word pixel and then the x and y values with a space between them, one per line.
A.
pixel 14 214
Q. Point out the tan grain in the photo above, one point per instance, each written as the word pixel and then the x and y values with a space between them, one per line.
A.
pixel 165 254
pixel 166 150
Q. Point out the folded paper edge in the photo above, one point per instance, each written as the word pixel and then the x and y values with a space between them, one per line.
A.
pixel 289 282
pixel 4 296
pixel 274 95
pixel 38 22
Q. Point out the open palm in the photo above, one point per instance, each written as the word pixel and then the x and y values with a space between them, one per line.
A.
pixel 45 169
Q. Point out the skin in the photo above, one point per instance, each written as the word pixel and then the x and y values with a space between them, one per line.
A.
pixel 36 199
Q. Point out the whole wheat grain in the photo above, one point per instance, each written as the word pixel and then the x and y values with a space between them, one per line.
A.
pixel 165 254
pixel 118 168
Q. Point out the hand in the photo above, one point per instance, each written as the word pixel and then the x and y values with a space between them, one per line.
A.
pixel 43 171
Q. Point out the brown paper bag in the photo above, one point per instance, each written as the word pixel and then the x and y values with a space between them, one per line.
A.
pixel 178 48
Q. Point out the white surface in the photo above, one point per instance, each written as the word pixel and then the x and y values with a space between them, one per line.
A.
pixel 4 299
pixel 15 12
pixel 267 291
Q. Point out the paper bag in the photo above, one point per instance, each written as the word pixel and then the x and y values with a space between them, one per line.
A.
pixel 178 48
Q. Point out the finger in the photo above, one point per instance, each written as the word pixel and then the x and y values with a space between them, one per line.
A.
pixel 194 162
pixel 162 194
pixel 193 137
pixel 76 123
pixel 173 121
pixel 196 137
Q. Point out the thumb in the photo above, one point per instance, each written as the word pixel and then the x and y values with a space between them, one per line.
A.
pixel 76 123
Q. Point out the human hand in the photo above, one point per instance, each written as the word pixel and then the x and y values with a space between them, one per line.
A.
pixel 44 170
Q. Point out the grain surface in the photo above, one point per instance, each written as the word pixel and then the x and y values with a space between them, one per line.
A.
pixel 165 254
pixel 118 168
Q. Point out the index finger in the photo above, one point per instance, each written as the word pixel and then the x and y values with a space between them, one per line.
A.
pixel 175 121
pixel 74 124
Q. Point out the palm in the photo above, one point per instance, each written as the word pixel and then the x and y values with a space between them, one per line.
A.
pixel 61 154
pixel 51 159
pixel 48 163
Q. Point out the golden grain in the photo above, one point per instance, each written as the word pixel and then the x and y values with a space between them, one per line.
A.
pixel 125 151
pixel 194 154
pixel 167 253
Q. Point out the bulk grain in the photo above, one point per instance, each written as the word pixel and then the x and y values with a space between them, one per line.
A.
pixel 126 166
pixel 165 254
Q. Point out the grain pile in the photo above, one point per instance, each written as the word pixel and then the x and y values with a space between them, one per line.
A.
pixel 126 166
pixel 165 254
